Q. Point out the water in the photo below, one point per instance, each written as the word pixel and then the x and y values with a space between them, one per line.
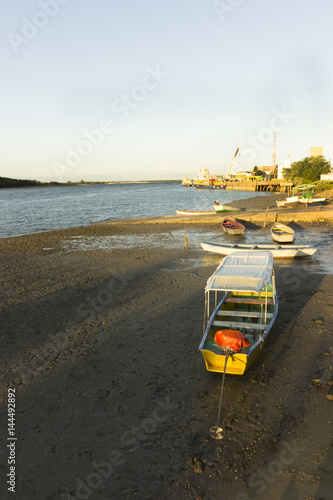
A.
pixel 30 210
pixel 319 263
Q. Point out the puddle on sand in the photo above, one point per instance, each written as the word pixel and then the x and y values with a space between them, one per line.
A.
pixel 321 262
pixel 172 239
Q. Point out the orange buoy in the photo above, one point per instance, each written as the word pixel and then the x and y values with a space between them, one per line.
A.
pixel 231 338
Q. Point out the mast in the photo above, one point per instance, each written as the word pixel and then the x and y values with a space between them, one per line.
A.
pixel 274 150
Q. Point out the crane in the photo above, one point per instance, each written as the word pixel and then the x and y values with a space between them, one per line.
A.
pixel 231 164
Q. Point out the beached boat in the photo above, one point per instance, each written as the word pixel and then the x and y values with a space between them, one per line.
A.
pixel 227 208
pixel 232 227
pixel 242 297
pixel 289 202
pixel 301 196
pixel 278 251
pixel 282 233
pixel 299 201
pixel 195 212
pixel 313 201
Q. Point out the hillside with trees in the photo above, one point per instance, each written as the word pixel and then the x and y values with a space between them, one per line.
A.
pixel 7 182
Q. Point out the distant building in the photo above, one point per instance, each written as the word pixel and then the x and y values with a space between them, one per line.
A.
pixel 241 175
pixel 269 171
pixel 287 164
pixel 316 151
pixel 327 177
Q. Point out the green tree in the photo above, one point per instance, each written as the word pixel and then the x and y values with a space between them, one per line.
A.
pixel 257 171
pixel 309 169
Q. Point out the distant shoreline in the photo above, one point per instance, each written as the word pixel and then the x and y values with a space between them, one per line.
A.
pixel 7 183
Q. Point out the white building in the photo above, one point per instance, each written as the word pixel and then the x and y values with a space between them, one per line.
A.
pixel 287 164
pixel 327 177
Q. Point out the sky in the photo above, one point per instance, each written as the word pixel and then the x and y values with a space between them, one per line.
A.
pixel 113 90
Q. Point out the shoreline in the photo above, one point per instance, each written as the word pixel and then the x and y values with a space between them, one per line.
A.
pixel 78 183
pixel 256 207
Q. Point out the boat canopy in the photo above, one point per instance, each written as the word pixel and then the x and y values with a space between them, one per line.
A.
pixel 242 271
pixel 306 189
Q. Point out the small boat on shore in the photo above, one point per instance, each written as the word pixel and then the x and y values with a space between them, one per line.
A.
pixel 301 196
pixel 298 201
pixel 242 296
pixel 227 208
pixel 232 227
pixel 289 202
pixel 313 201
pixel 195 212
pixel 282 233
pixel 278 251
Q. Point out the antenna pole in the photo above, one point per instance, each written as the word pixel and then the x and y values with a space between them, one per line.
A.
pixel 274 150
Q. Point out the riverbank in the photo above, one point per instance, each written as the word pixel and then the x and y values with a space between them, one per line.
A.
pixel 101 326
pixel 257 209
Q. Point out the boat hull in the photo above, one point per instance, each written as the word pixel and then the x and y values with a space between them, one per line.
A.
pixel 297 201
pixel 313 201
pixel 282 234
pixel 232 227
pixel 238 362
pixel 195 212
pixel 286 251
pixel 227 208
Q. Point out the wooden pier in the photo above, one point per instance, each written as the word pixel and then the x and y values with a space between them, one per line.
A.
pixel 274 185
pixel 269 186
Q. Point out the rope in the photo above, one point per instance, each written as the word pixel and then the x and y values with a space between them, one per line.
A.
pixel 188 241
pixel 217 431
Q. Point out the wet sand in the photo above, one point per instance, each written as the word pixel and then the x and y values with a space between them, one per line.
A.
pixel 100 330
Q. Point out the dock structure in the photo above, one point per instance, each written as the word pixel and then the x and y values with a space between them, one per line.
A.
pixel 274 185
pixel 269 186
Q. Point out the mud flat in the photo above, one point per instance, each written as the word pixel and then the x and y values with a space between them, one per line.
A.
pixel 100 330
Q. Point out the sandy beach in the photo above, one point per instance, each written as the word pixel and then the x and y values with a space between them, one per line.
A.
pixel 99 348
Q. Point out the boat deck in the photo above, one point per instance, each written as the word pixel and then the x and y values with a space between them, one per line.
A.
pixel 244 313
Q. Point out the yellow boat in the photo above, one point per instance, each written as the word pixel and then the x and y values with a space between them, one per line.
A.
pixel 248 307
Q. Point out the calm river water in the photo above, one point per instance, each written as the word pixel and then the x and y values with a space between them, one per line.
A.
pixel 29 210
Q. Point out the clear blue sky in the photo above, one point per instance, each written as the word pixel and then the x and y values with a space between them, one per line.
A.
pixel 146 89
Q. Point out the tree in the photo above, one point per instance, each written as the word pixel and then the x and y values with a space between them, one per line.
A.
pixel 309 169
pixel 257 171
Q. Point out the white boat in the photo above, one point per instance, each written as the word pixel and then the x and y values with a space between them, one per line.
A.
pixel 282 233
pixel 313 201
pixel 278 251
pixel 187 182
pixel 195 212
pixel 230 226
pixel 299 201
pixel 289 202
pixel 227 208
pixel 242 296
pixel 302 195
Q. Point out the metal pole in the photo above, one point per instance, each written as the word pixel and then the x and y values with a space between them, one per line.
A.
pixel 217 432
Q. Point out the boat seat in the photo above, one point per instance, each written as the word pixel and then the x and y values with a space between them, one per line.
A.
pixel 249 300
pixel 239 324
pixel 253 314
